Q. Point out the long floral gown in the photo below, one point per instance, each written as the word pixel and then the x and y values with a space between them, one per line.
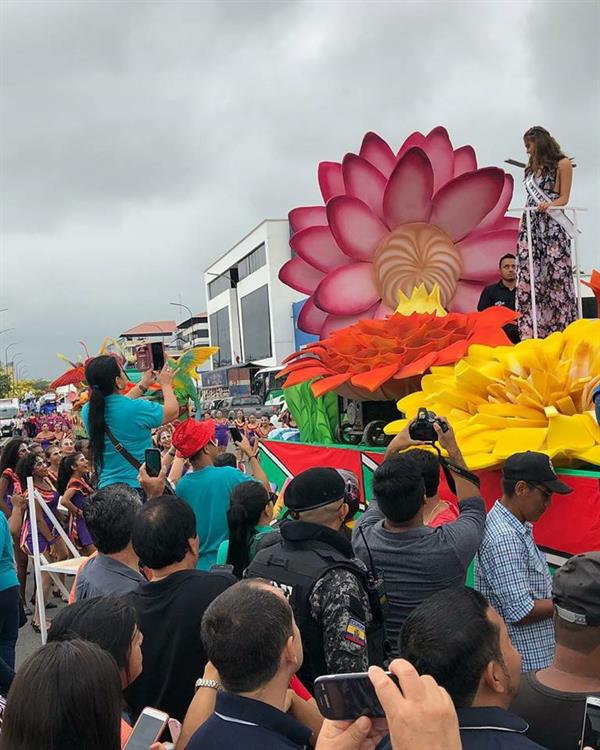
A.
pixel 556 302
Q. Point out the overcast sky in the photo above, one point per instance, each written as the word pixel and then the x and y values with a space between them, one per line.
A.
pixel 142 140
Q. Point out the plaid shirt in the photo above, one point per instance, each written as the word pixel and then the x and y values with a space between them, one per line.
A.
pixel 512 573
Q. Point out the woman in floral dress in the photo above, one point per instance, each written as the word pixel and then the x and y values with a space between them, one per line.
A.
pixel 548 180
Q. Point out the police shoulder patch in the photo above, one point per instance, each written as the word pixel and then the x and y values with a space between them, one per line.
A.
pixel 355 632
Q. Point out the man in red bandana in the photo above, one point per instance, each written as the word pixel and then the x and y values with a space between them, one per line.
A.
pixel 207 489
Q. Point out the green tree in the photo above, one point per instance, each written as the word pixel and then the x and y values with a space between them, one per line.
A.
pixel 5 384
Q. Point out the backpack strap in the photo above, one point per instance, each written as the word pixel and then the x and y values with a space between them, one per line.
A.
pixel 122 450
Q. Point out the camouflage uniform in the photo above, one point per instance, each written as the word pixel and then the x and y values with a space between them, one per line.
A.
pixel 339 604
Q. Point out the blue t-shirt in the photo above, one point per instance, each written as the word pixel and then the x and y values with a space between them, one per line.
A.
pixel 130 420
pixel 208 491
pixel 8 574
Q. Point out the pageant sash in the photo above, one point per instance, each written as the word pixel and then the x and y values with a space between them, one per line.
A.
pixel 539 196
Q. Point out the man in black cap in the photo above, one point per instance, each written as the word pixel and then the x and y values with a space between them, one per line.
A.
pixel 329 591
pixel 510 571
pixel 552 700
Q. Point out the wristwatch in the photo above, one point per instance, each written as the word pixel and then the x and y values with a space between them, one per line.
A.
pixel 200 683
pixel 142 388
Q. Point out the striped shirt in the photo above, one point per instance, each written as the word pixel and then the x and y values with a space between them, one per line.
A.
pixel 511 572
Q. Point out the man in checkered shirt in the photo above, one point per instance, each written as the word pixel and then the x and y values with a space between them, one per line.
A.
pixel 510 571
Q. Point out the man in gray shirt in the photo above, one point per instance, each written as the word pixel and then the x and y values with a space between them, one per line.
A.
pixel 416 560
pixel 109 516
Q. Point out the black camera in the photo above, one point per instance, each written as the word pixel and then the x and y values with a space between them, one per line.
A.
pixel 421 428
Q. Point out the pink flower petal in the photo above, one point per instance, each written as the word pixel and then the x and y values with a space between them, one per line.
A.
pixel 317 247
pixel 507 222
pixel 300 276
pixel 335 322
pixel 377 152
pixel 382 311
pixel 330 179
pixel 438 148
pixel 408 194
pixel 462 203
pixel 363 181
pixel 481 253
pixel 414 139
pixel 356 229
pixel 349 290
pixel 307 216
pixel 499 209
pixel 464 160
pixel 466 297
pixel 311 319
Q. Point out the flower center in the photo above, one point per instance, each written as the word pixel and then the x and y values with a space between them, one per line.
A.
pixel 413 254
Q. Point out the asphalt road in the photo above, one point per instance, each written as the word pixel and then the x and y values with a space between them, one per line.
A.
pixel 29 641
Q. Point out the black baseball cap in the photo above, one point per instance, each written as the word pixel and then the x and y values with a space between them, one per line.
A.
pixel 576 590
pixel 314 488
pixel 536 468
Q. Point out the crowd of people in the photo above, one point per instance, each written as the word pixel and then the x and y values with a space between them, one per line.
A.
pixel 206 594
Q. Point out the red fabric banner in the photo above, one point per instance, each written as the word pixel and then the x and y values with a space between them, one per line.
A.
pixel 571 525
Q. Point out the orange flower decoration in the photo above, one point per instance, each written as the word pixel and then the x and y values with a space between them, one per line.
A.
pixel 370 358
pixel 594 285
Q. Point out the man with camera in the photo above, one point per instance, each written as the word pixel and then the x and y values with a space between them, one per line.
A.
pixel 416 560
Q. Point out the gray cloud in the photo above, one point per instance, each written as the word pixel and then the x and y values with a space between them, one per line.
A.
pixel 141 140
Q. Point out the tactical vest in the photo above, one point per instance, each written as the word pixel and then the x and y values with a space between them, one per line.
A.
pixel 295 567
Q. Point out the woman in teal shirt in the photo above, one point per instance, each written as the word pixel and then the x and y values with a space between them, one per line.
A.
pixel 130 419
pixel 249 518
pixel 9 605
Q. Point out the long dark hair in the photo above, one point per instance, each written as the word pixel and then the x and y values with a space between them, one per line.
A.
pixel 101 374
pixel 9 457
pixel 546 153
pixel 25 467
pixel 65 696
pixel 248 501
pixel 65 471
pixel 106 620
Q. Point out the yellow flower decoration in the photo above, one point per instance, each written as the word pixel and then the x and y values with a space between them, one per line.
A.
pixel 535 395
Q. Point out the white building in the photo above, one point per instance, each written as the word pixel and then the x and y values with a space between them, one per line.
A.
pixel 249 309
pixel 192 332
pixel 147 332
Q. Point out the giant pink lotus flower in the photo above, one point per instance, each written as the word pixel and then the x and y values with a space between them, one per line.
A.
pixel 391 221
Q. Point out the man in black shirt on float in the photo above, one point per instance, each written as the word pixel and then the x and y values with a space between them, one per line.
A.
pixel 503 293
pixel 170 606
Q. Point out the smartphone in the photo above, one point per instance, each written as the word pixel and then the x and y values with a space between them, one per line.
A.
pixel 153 461
pixel 157 349
pixel 590 736
pixel 235 433
pixel 143 357
pixel 345 697
pixel 147 729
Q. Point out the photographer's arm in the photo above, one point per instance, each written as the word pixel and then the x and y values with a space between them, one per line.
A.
pixel 465 488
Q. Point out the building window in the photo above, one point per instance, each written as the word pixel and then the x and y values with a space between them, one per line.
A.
pixel 221 337
pixel 218 285
pixel 252 262
pixel 256 324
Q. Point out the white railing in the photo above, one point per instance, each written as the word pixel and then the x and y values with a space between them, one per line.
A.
pixel 575 246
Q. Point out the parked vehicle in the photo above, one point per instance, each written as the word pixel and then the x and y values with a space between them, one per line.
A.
pixel 248 404
pixel 9 412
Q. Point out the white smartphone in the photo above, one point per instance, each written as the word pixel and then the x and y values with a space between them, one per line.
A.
pixel 590 735
pixel 147 729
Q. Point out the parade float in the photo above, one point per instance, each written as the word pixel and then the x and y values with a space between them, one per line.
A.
pixel 393 263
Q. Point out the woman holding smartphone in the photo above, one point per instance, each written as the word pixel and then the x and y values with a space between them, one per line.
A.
pixel 118 425
pixel 548 181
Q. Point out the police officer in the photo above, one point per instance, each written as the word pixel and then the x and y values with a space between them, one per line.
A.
pixel 335 603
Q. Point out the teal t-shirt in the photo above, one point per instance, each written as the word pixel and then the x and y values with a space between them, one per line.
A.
pixel 207 491
pixel 8 573
pixel 223 550
pixel 130 420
